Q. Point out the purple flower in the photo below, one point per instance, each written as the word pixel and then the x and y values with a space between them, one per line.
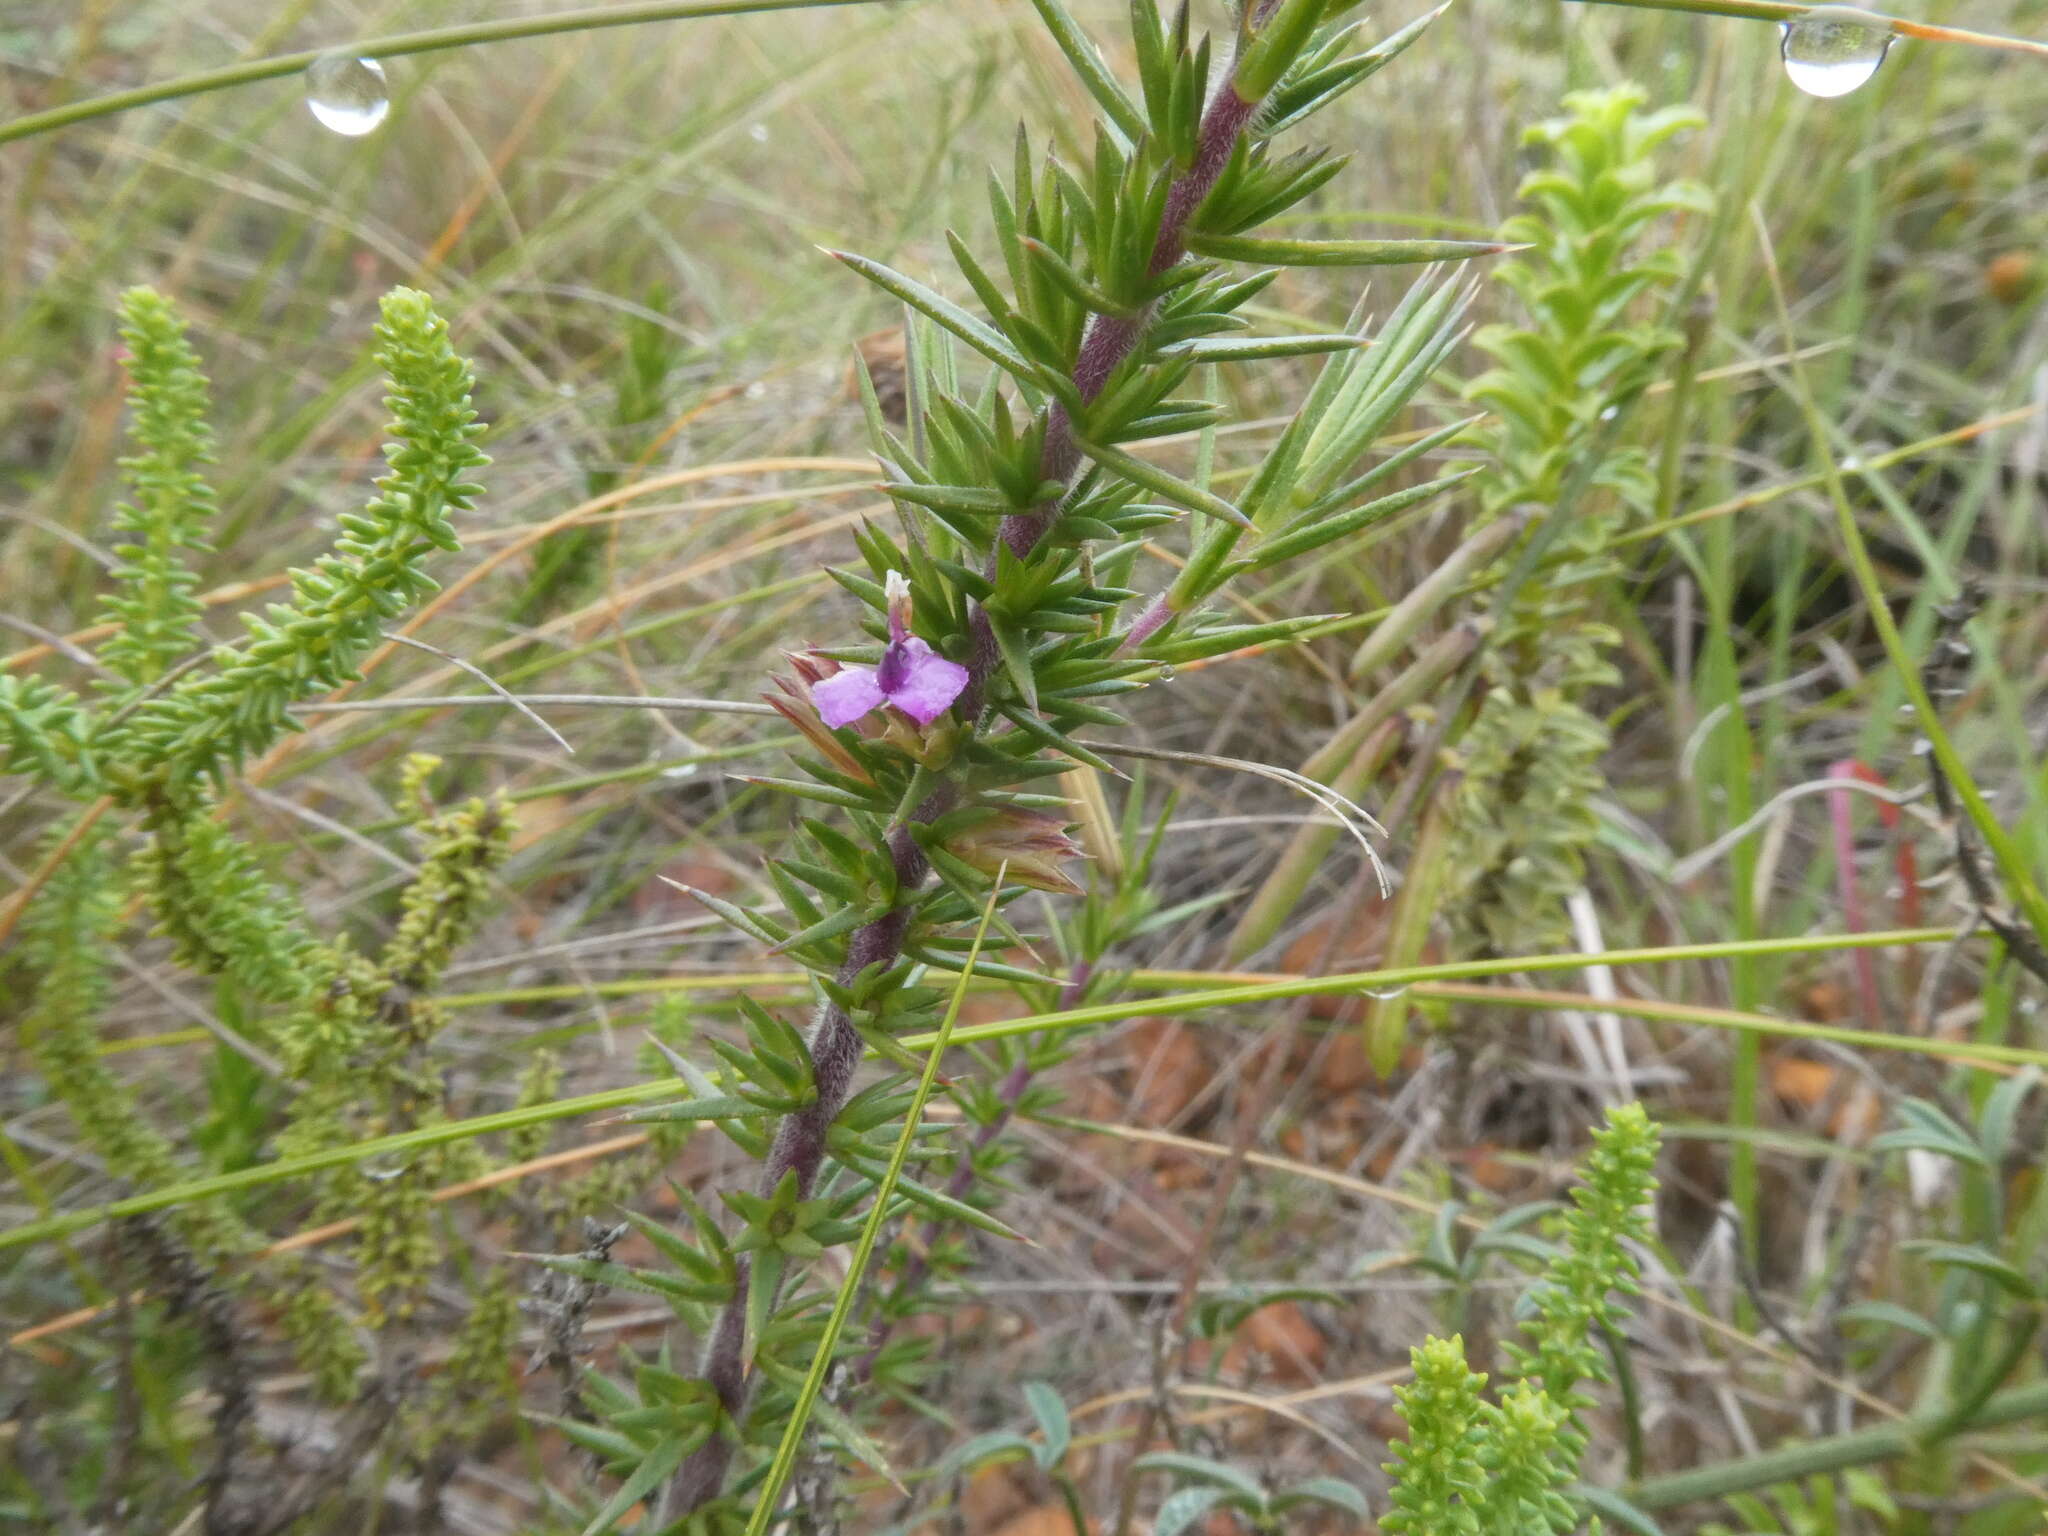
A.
pixel 912 676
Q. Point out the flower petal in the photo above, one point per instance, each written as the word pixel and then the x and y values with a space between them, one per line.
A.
pixel 929 684
pixel 845 696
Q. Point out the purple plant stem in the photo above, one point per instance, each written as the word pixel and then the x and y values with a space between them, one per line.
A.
pixel 1155 617
pixel 799 1147
pixel 835 1045
pixel 1110 339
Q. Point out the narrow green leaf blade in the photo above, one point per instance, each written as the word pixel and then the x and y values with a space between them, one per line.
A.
pixel 1342 253
pixel 1160 482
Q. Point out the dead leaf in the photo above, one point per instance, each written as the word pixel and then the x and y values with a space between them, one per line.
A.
pixel 1044 1520
pixel 1168 1070
pixel 1282 1337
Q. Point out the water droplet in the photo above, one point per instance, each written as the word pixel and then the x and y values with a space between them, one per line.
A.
pixel 758 133
pixel 757 390
pixel 1386 994
pixel 348 94
pixel 1610 413
pixel 1831 50
pixel 383 1173
pixel 679 770
pixel 1166 671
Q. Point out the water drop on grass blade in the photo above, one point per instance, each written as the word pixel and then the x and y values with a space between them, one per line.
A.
pixel 348 94
pixel 1831 50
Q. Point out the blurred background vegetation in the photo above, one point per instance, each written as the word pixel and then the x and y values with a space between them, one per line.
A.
pixel 623 228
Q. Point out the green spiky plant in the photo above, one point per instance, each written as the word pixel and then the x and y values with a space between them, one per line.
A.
pixel 1595 289
pixel 1000 616
pixel 344 1039
pixel 1506 1467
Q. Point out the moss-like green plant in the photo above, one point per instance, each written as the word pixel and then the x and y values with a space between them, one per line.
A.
pixel 1439 1485
pixel 351 1034
pixel 1500 1468
pixel 1530 762
pixel 206 724
pixel 362 1048
pixel 67 946
pixel 155 616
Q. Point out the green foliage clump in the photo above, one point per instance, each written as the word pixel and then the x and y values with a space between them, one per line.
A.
pixel 348 1036
pixel 1531 760
pixel 206 725
pixel 1500 1468
pixel 212 900
pixel 362 1048
pixel 1575 1306
pixel 153 612
pixel 67 946
pixel 1438 1484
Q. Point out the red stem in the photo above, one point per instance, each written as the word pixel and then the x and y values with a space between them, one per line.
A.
pixel 1841 814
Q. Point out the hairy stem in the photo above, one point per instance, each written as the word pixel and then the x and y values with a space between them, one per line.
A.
pixel 836 1049
pixel 1111 339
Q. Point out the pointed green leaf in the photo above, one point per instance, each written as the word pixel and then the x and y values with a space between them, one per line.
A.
pixel 1341 253
pixel 1162 482
pixel 659 1466
pixel 1246 349
pixel 1087 63
pixel 976 333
